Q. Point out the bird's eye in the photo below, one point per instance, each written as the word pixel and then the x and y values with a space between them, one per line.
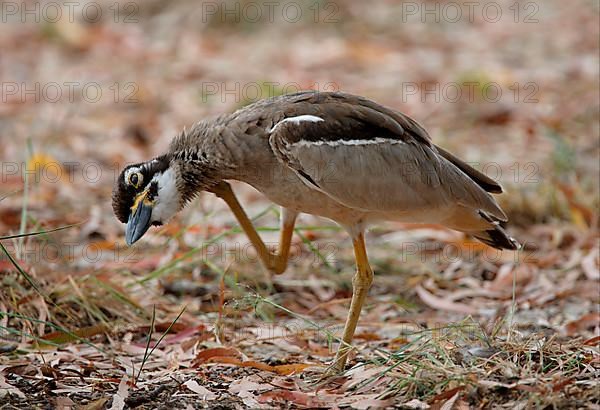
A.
pixel 135 179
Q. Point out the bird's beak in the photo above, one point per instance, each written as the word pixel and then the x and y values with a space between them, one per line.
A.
pixel 139 219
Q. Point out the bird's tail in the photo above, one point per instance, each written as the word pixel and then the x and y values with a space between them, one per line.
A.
pixel 496 237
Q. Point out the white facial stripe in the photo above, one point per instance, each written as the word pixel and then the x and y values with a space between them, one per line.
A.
pixel 167 201
pixel 338 143
pixel 297 120
pixel 148 165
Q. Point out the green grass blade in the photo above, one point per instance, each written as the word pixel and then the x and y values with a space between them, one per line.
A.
pixel 22 235
pixel 146 354
pixel 27 277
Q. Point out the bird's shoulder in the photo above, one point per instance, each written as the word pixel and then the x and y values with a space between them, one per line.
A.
pixel 335 116
pixel 314 116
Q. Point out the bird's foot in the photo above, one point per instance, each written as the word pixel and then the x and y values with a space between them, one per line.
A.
pixel 336 369
pixel 324 377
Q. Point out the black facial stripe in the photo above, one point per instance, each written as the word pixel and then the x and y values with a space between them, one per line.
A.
pixel 153 191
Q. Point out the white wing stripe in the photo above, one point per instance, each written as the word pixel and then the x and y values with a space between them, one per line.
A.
pixel 297 120
pixel 336 143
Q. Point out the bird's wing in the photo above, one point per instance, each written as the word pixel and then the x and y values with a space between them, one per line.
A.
pixel 374 159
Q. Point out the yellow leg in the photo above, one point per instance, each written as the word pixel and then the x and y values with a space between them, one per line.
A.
pixel 276 263
pixel 360 288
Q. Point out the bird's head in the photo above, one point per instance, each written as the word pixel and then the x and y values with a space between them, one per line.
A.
pixel 146 194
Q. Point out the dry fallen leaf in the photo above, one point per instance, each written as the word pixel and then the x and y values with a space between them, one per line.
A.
pixel 95 404
pixel 63 403
pixel 508 274
pixel 296 397
pixel 202 391
pixel 372 403
pixel 449 404
pixel 6 388
pixel 122 393
pixel 416 404
pixel 245 385
pixel 591 264
pixel 232 356
pixel 76 334
pixel 444 304
pixel 282 369
pixel 211 353
pixel 584 322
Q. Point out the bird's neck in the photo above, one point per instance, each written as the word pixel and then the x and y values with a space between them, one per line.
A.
pixel 206 154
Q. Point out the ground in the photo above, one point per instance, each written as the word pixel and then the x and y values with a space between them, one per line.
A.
pixel 188 318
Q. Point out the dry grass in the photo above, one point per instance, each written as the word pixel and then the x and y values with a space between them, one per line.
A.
pixel 77 337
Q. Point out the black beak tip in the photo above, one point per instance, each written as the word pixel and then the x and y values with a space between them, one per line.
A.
pixel 129 238
pixel 138 224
